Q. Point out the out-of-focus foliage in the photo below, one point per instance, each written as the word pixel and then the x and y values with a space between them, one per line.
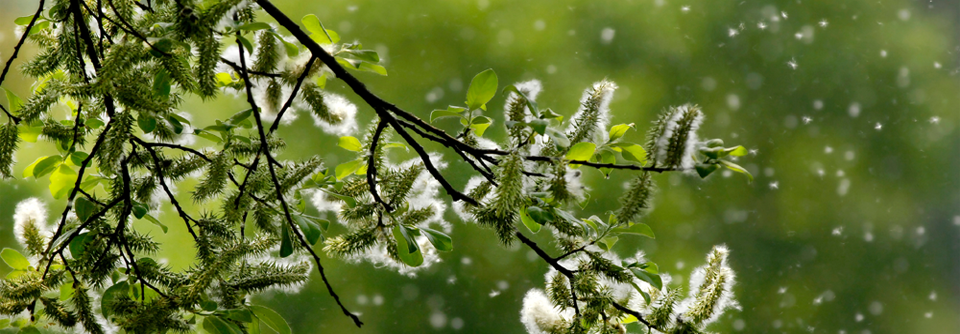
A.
pixel 850 109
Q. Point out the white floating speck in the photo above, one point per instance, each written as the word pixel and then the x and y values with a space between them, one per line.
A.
pixel 606 35
pixel 823 23
pixel 792 63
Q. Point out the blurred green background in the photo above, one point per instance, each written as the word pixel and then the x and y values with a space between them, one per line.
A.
pixel 851 107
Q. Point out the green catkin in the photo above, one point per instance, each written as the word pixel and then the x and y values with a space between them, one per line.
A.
pixel 659 129
pixel 683 130
pixel 268 52
pixel 637 199
pixel 8 144
pixel 313 96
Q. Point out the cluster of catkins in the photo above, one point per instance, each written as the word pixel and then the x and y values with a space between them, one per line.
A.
pixel 711 293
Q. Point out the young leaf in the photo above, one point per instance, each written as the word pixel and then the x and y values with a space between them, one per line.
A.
pixel 14 259
pixel 738 151
pixel 42 166
pixel 311 230
pixel 84 208
pixel 633 152
pixel 345 169
pixel 410 258
pixel 350 143
pixel 706 169
pixel 13 101
pixel 254 26
pixel 146 123
pixel 736 168
pixel 440 240
pixel 286 245
pixel 581 151
pixel 638 229
pixel 62 181
pixel 653 279
pixel 140 210
pixel 529 222
pixel 215 325
pixel 371 67
pixel 482 89
pixel 539 125
pixel 271 318
pixel 451 111
pixel 480 124
pixel 559 138
pixel 619 130
pixel 157 222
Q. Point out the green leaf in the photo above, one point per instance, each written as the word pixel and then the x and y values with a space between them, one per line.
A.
pixel 311 230
pixel 240 116
pixel 23 20
pixel 110 296
pixel 140 209
pixel 633 152
pixel 539 215
pixel 581 151
pixel 414 258
pixel 271 318
pixel 254 26
pixel 480 124
pixel 653 279
pixel 637 229
pixel 317 32
pixel 62 181
pixel 246 44
pixel 216 325
pixel 539 125
pixel 224 79
pixel 78 245
pixel 157 222
pixel 738 151
pixel 14 259
pixel 449 112
pixel 706 169
pixel 482 89
pixel 42 166
pixel 608 242
pixel 14 102
pixel 529 222
pixel 78 157
pixel 207 135
pixel 146 123
pixel 345 169
pixel 371 67
pixel 559 138
pixel 619 130
pixel 736 168
pixel 408 237
pixel 351 202
pixel 286 244
pixel 209 305
pixel 350 143
pixel 441 241
pixel 161 83
pixel 84 208
pixel 365 55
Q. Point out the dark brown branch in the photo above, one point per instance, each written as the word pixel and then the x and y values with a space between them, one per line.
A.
pixel 264 148
pixel 16 51
pixel 293 94
pixel 372 166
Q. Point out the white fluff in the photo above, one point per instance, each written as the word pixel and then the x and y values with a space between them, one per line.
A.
pixel 538 314
pixel 606 89
pixel 343 109
pixel 529 88
pixel 29 212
